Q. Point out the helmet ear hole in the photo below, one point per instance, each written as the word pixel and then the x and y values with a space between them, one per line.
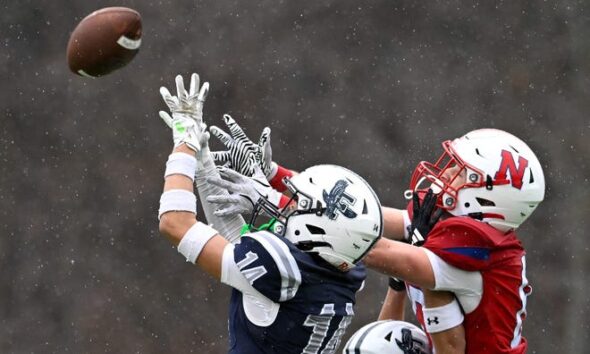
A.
pixel 314 230
pixel 485 202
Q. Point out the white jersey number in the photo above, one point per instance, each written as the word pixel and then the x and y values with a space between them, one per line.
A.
pixel 321 325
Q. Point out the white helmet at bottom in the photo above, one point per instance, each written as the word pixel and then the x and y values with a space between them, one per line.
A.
pixel 388 337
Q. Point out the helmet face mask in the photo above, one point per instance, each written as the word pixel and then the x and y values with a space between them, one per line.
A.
pixel 449 174
pixel 335 215
pixel 487 174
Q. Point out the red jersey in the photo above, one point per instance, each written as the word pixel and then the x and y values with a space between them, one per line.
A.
pixel 495 325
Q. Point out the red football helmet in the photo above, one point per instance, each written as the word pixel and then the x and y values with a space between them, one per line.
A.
pixel 487 174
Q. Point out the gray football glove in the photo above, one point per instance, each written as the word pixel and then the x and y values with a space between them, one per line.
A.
pixel 186 121
pixel 244 192
pixel 242 155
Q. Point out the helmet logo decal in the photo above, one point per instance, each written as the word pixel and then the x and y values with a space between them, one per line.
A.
pixel 339 200
pixel 516 173
pixel 407 343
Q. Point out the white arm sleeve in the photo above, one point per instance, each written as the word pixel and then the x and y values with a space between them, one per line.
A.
pixel 467 286
pixel 259 309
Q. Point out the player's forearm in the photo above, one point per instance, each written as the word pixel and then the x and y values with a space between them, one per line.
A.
pixel 393 223
pixel 174 224
pixel 403 261
pixel 393 306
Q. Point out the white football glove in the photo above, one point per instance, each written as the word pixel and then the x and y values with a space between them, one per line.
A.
pixel 242 155
pixel 244 192
pixel 186 121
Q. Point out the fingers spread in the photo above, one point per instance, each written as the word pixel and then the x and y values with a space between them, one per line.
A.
pixel 180 90
pixel 194 84
pixel 222 136
pixel 234 128
pixel 223 199
pixel 229 211
pixel 231 187
pixel 429 201
pixel 220 156
pixel 166 118
pixel 164 92
pixel 415 203
pixel 230 174
pixel 204 92
pixel 264 138
pixel 437 214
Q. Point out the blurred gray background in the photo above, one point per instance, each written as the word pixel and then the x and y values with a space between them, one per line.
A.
pixel 374 86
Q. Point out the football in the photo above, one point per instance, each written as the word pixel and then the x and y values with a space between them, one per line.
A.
pixel 104 41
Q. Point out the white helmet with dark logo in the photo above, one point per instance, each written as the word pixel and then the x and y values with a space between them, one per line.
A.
pixel 337 215
pixel 391 337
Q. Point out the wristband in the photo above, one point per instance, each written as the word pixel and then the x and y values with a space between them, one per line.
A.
pixel 177 200
pixel 397 284
pixel 277 180
pixel 180 163
pixel 194 240
pixel 272 171
pixel 438 319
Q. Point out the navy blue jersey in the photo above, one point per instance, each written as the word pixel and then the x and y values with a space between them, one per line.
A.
pixel 315 300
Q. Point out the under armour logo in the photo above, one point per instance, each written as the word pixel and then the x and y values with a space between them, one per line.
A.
pixel 339 200
pixel 409 344
pixel 432 320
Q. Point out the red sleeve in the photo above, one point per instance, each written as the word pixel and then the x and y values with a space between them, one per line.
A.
pixel 462 242
pixel 277 181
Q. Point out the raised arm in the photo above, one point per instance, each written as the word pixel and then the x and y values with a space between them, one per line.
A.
pixel 395 222
pixel 203 244
pixel 394 304
pixel 198 242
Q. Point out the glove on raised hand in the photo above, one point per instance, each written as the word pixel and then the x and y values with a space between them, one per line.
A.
pixel 242 155
pixel 424 217
pixel 244 192
pixel 186 121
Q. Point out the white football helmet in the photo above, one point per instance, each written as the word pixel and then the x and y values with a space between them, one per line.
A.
pixel 337 215
pixel 504 181
pixel 388 337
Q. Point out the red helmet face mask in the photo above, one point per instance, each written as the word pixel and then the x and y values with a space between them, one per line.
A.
pixel 446 177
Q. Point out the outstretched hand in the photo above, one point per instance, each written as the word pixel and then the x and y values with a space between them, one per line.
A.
pixel 244 192
pixel 242 154
pixel 424 217
pixel 186 107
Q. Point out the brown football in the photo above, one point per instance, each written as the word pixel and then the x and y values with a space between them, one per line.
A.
pixel 104 41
